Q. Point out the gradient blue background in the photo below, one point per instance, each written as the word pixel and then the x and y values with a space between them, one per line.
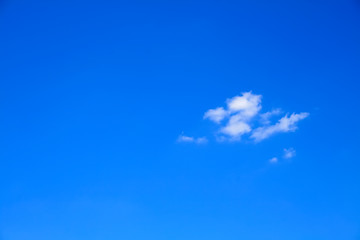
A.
pixel 94 94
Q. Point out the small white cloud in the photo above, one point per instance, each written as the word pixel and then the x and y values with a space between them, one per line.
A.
pixel 215 115
pixel 289 153
pixel 265 117
pixel 183 138
pixel 273 160
pixel 247 105
pixel 242 118
pixel 285 124
pixel 200 140
pixel 236 127
pixel 241 110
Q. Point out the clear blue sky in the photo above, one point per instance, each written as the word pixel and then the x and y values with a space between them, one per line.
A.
pixel 102 107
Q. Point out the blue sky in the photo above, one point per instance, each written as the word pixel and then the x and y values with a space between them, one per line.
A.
pixel 106 131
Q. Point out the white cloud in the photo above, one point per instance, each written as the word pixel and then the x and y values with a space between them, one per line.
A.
pixel 216 115
pixel 241 110
pixel 200 140
pixel 183 138
pixel 247 105
pixel 289 153
pixel 265 117
pixel 236 127
pixel 285 124
pixel 274 160
pixel 242 118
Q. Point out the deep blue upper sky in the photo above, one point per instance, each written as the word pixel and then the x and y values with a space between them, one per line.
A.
pixel 94 95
